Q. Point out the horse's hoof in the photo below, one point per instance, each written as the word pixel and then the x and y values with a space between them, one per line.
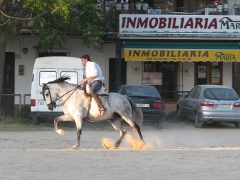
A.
pixel 108 144
pixel 75 147
pixel 61 132
pixel 136 144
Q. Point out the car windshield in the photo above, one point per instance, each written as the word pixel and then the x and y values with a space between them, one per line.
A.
pixel 220 94
pixel 144 91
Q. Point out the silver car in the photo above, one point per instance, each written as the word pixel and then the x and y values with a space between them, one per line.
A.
pixel 209 104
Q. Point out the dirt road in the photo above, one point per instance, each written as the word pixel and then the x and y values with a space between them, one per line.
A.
pixel 179 151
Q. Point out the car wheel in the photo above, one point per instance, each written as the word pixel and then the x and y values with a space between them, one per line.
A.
pixel 237 125
pixel 196 122
pixel 179 114
pixel 35 120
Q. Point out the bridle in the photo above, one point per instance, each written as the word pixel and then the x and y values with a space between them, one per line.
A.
pixel 53 102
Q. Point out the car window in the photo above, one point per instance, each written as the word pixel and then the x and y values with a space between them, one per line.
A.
pixel 146 91
pixel 190 94
pixel 46 76
pixel 220 94
pixel 119 90
pixel 196 93
pixel 73 75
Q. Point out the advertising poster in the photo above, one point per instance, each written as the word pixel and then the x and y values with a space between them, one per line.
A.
pixel 201 71
pixel 216 74
pixel 152 78
pixel 215 80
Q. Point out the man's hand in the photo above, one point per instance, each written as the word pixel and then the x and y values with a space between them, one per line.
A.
pixel 83 81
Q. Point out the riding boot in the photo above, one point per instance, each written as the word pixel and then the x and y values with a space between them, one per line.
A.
pixel 102 110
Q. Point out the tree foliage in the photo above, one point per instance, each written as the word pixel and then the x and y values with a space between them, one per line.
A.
pixel 51 22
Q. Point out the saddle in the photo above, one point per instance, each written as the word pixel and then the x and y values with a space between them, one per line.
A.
pixel 101 92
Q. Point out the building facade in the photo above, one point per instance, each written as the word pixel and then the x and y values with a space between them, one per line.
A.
pixel 173 50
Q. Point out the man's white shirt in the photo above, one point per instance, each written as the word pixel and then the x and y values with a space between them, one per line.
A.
pixel 93 69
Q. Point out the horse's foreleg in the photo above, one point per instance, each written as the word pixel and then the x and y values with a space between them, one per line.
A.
pixel 79 132
pixel 61 118
pixel 78 122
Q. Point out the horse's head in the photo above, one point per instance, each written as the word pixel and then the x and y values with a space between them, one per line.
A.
pixel 50 91
pixel 49 95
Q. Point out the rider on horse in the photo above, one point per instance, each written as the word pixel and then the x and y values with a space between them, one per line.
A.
pixel 94 78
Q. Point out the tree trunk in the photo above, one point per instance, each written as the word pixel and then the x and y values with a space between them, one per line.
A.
pixel 4 37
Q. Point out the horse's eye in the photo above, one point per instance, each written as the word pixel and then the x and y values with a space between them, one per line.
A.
pixel 46 94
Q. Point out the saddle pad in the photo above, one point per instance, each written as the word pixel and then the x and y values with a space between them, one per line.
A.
pixel 101 91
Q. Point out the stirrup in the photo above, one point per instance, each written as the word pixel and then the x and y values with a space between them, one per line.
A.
pixel 102 110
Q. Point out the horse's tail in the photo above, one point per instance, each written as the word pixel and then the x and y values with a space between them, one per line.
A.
pixel 137 113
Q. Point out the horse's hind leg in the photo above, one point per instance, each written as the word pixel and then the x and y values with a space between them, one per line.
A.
pixel 139 145
pixel 116 123
pixel 137 129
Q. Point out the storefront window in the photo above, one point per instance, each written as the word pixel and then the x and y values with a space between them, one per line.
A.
pixel 208 73
pixel 215 73
pixel 162 75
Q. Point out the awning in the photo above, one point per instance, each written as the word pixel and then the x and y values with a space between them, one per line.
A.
pixel 182 51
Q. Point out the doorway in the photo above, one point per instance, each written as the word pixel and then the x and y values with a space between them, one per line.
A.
pixel 8 84
pixel 113 76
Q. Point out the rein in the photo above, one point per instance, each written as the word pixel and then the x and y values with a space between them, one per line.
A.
pixel 62 104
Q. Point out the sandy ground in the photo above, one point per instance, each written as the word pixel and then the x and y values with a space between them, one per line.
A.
pixel 179 151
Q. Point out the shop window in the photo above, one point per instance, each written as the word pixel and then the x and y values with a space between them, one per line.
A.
pixel 163 76
pixel 208 73
pixel 201 69
pixel 216 73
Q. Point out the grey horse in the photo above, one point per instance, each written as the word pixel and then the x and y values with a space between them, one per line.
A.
pixel 78 106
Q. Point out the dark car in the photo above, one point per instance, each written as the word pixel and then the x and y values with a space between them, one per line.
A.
pixel 210 104
pixel 148 99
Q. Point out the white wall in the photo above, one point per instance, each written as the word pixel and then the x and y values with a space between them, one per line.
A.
pixel 227 74
pixel 134 72
pixel 186 76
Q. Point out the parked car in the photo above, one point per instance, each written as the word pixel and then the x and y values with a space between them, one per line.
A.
pixel 210 104
pixel 148 99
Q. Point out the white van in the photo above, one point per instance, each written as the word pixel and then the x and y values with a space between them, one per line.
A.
pixel 48 69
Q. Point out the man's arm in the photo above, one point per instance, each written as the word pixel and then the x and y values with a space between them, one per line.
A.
pixel 93 73
pixel 83 81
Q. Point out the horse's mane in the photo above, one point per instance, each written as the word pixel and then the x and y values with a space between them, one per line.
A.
pixel 60 80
